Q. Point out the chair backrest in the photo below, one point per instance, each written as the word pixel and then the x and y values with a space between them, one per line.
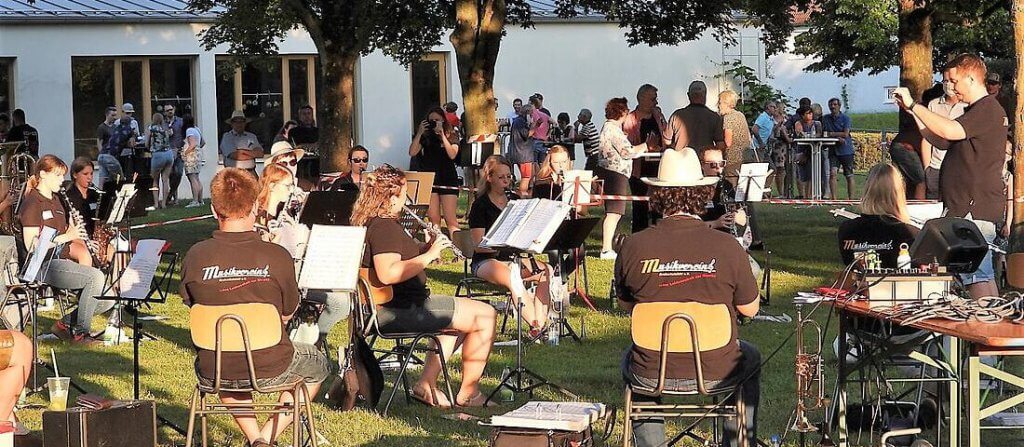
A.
pixel 714 326
pixel 231 324
pixel 380 293
pixel 463 240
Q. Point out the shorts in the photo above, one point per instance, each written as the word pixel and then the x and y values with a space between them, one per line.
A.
pixel 162 160
pixel 614 184
pixel 844 161
pixel 193 161
pixel 908 162
pixel 804 170
pixel 540 150
pixel 434 314
pixel 451 181
pixel 308 362
pixel 475 265
pixel 110 168
pixel 986 271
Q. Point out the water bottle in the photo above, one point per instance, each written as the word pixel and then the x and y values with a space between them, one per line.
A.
pixel 554 322
pixel 903 260
pixel 111 335
pixel 775 441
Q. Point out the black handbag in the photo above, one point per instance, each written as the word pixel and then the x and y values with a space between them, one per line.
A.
pixel 360 381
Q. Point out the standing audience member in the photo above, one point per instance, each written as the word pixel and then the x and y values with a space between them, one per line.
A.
pixel 435 139
pixel 640 124
pixel 105 129
pixel 807 127
pixel 239 147
pixel 521 148
pixel 586 133
pixel 516 105
pixel 761 131
pixel 255 272
pixel 695 125
pixel 451 115
pixel 540 127
pixel 837 125
pixel 537 100
pixel 779 146
pixel 22 131
pixel 691 263
pixel 158 143
pixel 615 165
pixel 192 157
pixel 565 134
pixel 122 137
pixel 970 183
pixel 306 132
pixel 738 142
pixel 126 156
pixel 994 87
pixel 176 128
pixel 948 106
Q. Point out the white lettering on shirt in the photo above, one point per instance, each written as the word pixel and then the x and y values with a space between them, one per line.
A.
pixel 215 272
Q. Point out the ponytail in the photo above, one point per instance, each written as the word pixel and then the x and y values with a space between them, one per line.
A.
pixel 32 182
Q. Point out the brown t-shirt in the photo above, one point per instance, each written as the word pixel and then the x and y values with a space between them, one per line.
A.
pixel 386 235
pixel 703 127
pixel 681 259
pixel 970 180
pixel 38 211
pixel 237 268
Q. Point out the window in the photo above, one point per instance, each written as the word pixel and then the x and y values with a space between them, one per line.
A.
pixel 148 83
pixel 269 93
pixel 6 85
pixel 429 85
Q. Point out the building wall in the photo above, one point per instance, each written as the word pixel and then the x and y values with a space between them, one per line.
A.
pixel 574 65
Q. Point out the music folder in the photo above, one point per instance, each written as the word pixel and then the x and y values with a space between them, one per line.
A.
pixel 333 257
pixel 328 208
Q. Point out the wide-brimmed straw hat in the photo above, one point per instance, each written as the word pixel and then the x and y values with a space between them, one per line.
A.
pixel 680 168
pixel 238 114
pixel 283 147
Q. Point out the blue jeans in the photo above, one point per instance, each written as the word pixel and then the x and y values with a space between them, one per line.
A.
pixel 68 274
pixel 986 271
pixel 747 375
pixel 539 151
pixel 337 306
pixel 110 169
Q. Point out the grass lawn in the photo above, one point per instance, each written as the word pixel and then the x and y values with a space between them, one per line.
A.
pixel 875 121
pixel 804 255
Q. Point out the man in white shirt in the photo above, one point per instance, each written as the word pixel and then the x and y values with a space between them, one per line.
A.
pixel 950 106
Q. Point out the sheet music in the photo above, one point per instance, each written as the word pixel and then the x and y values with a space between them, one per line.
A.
pixel 921 213
pixel 333 257
pixel 752 176
pixel 570 188
pixel 293 237
pixel 567 416
pixel 508 222
pixel 542 223
pixel 124 196
pixel 137 278
pixel 43 245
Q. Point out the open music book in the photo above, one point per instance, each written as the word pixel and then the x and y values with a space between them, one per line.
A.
pixel 564 416
pixel 333 257
pixel 526 225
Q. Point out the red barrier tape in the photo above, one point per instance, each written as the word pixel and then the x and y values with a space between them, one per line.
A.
pixel 171 222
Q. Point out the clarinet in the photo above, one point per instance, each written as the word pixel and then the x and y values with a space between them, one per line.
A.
pixel 434 231
pixel 75 219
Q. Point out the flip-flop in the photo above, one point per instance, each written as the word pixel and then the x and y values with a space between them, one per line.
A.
pixel 428 400
pixel 475 402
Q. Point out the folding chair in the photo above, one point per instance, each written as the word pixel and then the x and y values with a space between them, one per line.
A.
pixel 369 289
pixel 679 333
pixel 476 288
pixel 226 329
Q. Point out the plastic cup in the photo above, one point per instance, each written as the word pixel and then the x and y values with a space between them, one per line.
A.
pixel 58 387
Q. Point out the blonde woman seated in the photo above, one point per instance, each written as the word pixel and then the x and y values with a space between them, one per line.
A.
pixel 399 261
pixel 884 224
pixel 552 172
pixel 493 267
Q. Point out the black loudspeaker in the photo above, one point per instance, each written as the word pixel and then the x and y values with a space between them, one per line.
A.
pixel 952 242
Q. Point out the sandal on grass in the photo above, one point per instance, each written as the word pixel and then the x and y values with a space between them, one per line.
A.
pixel 478 400
pixel 428 398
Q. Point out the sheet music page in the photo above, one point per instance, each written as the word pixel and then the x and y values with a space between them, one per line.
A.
pixel 293 237
pixel 138 276
pixel 569 188
pixel 43 245
pixel 124 195
pixel 752 176
pixel 510 220
pixel 921 213
pixel 571 416
pixel 333 257
pixel 540 225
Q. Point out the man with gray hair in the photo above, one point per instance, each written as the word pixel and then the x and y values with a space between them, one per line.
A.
pixel 586 133
pixel 763 125
pixel 695 125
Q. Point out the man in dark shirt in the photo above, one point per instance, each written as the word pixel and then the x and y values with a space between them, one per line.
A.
pixel 682 260
pixel 695 125
pixel 970 180
pixel 644 120
pixel 105 129
pixel 306 133
pixel 21 131
pixel 176 125
pixel 237 267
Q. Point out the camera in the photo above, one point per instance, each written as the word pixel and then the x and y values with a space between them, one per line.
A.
pixel 431 124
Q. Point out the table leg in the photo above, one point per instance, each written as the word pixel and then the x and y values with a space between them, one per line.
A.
pixel 841 373
pixel 974 400
pixel 815 171
pixel 955 409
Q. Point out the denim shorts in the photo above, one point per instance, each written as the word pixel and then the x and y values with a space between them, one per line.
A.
pixel 846 162
pixel 161 160
pixel 308 362
pixel 986 271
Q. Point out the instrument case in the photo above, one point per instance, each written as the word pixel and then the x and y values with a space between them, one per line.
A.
pixel 129 423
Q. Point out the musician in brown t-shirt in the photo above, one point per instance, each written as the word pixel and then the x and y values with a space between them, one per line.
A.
pixel 681 259
pixel 236 267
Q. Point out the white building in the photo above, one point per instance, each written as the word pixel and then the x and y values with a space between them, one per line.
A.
pixel 63 62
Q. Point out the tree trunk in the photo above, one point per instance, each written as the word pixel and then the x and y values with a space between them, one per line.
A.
pixel 338 64
pixel 915 46
pixel 1017 229
pixel 476 38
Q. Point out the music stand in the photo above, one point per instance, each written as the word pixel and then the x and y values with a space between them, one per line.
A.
pixel 750 187
pixel 571 234
pixel 328 208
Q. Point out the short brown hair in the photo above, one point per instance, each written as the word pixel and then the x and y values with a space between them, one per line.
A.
pixel 616 108
pixel 233 193
pixel 675 200
pixel 971 63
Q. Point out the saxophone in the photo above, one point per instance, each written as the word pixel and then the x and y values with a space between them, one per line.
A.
pixel 75 219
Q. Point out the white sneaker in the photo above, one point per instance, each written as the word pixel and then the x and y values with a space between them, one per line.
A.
pixel 194 204
pixel 608 254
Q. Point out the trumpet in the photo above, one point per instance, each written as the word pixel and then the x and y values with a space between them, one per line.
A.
pixel 810 375
pixel 433 231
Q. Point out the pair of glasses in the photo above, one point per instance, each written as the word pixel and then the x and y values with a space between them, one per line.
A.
pixel 359 160
pixel 992 82
pixel 715 164
pixel 291 162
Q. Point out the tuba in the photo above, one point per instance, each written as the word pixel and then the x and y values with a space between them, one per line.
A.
pixel 810 378
pixel 15 173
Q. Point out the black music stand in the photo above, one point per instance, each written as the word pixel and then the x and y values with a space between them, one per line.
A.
pixel 328 208
pixel 570 235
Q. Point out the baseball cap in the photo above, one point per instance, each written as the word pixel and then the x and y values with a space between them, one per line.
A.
pixel 128 108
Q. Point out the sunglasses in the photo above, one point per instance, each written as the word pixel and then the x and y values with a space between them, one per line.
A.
pixel 992 82
pixel 715 164
pixel 360 160
pixel 291 162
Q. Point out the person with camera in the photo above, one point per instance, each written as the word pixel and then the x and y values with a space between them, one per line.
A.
pixel 437 147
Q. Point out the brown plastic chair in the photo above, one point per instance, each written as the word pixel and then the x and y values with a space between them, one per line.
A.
pixel 225 329
pixel 680 333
